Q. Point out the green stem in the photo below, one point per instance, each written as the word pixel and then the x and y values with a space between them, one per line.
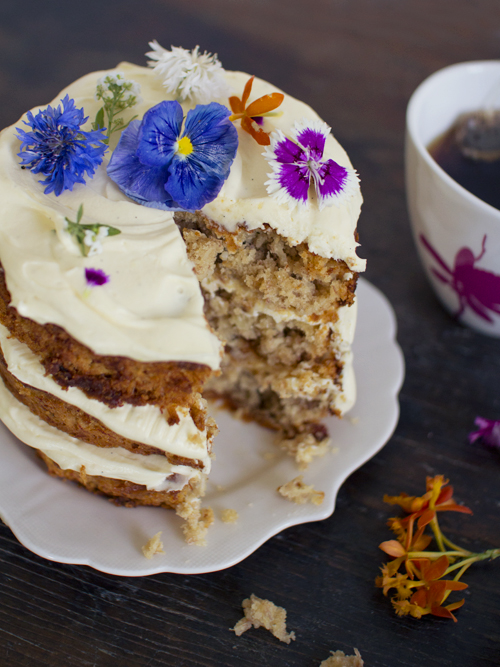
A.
pixel 110 114
pixel 438 535
pixel 450 544
pixel 433 554
pixel 490 554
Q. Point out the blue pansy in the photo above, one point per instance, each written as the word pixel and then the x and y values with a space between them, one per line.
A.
pixel 58 148
pixel 158 165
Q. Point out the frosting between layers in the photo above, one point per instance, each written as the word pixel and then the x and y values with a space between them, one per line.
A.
pixel 152 307
pixel 144 424
pixel 71 454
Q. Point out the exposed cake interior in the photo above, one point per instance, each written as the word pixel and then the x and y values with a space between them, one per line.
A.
pixel 277 307
pixel 244 300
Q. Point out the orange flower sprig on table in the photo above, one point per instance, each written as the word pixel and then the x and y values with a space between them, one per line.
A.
pixel 422 589
pixel 255 111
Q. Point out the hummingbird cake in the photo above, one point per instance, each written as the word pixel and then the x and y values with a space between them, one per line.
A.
pixel 169 234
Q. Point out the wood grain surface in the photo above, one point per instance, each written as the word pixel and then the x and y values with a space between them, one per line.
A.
pixel 356 62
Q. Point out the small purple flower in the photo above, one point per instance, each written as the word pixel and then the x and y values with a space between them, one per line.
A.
pixel 488 432
pixel 299 164
pixel 58 148
pixel 96 277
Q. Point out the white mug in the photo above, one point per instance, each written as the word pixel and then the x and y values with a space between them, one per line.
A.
pixel 456 233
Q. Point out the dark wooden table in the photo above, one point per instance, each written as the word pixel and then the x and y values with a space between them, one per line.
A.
pixel 356 62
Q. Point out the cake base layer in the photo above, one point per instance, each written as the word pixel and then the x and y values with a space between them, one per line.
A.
pixel 80 425
pixel 119 491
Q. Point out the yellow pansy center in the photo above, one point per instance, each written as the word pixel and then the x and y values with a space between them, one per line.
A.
pixel 184 146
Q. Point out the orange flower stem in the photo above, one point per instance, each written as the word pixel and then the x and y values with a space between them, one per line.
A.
pixel 463 568
pixel 450 544
pixel 490 554
pixel 432 554
pixel 438 535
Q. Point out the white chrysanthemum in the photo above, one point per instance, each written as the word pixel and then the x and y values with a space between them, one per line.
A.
pixel 93 240
pixel 130 90
pixel 189 74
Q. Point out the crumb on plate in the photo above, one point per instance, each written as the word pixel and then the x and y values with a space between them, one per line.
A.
pixel 153 546
pixel 198 520
pixel 229 516
pixel 303 448
pixel 301 493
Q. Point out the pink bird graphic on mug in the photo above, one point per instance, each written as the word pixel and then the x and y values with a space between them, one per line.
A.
pixel 476 288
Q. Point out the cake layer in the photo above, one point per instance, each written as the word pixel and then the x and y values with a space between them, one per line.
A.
pixel 110 379
pixel 139 425
pixel 153 472
pixel 287 317
pixel 121 491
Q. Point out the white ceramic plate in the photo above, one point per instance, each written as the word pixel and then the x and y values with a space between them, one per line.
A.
pixel 65 523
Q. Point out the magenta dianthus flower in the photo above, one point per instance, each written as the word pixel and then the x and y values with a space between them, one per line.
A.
pixel 488 432
pixel 299 164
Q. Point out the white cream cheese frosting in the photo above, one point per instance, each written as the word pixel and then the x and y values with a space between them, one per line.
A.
pixel 152 308
pixel 153 471
pixel 144 424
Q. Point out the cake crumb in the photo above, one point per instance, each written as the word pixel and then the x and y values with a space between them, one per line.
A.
pixel 198 520
pixel 304 447
pixel 301 493
pixel 219 487
pixel 269 456
pixel 83 474
pixel 339 659
pixel 354 420
pixel 153 546
pixel 229 516
pixel 264 613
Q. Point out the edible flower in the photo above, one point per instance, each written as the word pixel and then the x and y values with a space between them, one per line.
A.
pixel 422 588
pixel 89 237
pixel 255 112
pixel 117 94
pixel 297 165
pixel 189 74
pixel 160 165
pixel 58 148
pixel 438 498
pixel 488 431
pixel 96 277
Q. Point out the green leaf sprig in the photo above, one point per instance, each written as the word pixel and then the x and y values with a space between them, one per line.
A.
pixel 117 94
pixel 88 236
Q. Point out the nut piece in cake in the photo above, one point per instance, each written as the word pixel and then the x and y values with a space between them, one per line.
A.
pixel 264 613
pixel 301 493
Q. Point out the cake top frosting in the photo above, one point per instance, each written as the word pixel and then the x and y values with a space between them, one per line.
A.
pixel 138 296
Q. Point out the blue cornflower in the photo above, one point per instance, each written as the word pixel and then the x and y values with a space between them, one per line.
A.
pixel 157 166
pixel 57 147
